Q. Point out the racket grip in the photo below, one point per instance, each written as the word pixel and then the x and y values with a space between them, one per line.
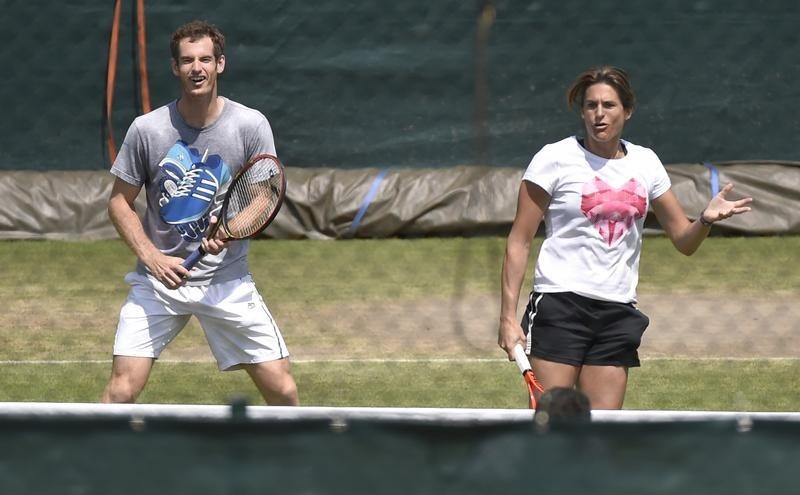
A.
pixel 193 258
pixel 521 358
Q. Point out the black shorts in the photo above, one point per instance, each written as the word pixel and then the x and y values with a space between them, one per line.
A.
pixel 567 328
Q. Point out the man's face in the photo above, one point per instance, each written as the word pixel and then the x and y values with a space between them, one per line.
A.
pixel 196 67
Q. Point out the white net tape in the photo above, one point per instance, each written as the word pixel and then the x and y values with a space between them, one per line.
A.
pixel 341 415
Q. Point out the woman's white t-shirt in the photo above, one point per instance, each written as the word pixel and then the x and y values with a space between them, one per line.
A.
pixel 595 219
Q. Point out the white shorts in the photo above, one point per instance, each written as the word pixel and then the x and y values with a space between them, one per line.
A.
pixel 238 326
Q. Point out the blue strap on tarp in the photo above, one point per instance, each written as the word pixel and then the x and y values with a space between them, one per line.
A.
pixel 373 191
pixel 714 172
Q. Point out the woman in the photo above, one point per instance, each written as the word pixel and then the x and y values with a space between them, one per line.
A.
pixel 581 327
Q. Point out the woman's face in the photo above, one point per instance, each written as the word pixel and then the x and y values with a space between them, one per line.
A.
pixel 603 113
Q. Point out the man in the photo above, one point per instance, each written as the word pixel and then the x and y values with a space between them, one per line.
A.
pixel 185 154
pixel 562 405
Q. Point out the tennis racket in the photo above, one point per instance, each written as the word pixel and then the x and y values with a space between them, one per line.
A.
pixel 534 387
pixel 253 199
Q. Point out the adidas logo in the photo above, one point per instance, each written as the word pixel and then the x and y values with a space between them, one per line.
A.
pixel 195 194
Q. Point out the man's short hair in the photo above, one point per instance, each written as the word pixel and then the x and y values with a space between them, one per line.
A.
pixel 195 30
pixel 562 405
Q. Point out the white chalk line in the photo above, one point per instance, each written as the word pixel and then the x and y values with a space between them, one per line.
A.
pixel 21 362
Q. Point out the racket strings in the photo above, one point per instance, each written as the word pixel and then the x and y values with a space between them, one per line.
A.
pixel 253 199
pixel 531 378
pixel 534 387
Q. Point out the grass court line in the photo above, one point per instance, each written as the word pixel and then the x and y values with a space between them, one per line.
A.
pixel 379 360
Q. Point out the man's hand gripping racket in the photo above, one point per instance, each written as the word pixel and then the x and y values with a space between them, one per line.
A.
pixel 534 387
pixel 253 199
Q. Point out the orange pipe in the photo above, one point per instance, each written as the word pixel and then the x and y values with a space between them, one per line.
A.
pixel 141 37
pixel 111 75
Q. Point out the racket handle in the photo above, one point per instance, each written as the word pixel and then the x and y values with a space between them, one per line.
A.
pixel 193 258
pixel 521 358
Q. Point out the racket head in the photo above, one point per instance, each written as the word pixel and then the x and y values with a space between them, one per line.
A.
pixel 534 387
pixel 254 198
pixel 524 365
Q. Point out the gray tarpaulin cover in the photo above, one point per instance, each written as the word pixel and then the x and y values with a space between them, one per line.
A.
pixel 372 202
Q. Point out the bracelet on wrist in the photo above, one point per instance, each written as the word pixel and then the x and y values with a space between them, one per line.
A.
pixel 703 220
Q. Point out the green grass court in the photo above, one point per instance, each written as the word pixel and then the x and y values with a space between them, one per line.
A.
pixel 361 318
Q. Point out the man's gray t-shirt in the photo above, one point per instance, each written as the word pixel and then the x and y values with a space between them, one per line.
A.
pixel 158 144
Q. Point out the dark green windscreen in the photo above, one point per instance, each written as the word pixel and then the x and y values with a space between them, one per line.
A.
pixel 415 83
pixel 195 457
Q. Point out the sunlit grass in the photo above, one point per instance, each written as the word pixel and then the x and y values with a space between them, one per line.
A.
pixel 63 300
pixel 660 384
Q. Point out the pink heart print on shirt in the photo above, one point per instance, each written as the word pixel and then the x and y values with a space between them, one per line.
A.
pixel 613 211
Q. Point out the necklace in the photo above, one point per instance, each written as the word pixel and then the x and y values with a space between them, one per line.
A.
pixel 620 152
